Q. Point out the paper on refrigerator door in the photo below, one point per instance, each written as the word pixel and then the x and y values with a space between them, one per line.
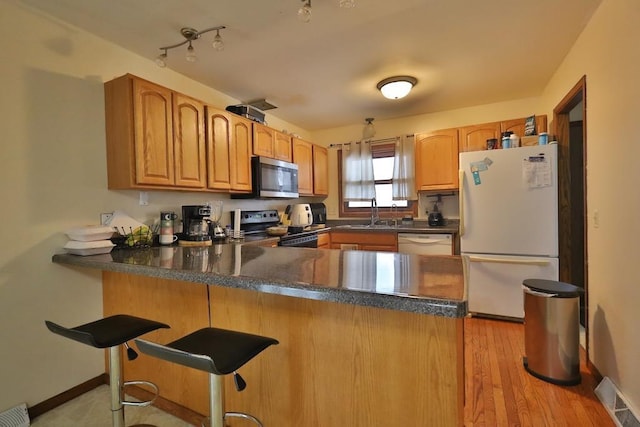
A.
pixel 536 172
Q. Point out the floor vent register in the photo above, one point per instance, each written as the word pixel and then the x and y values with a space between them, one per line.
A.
pixel 15 417
pixel 616 405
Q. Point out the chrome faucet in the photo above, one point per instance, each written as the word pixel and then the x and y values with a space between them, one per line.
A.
pixel 374 211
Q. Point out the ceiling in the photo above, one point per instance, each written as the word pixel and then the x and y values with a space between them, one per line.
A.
pixel 323 74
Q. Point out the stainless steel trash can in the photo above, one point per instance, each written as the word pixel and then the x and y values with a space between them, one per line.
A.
pixel 551 331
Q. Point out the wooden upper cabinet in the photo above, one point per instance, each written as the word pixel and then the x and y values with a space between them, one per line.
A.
pixel 320 171
pixel 263 140
pixel 139 134
pixel 474 138
pixel 189 142
pixel 517 125
pixel 240 153
pixel 228 151
pixel 303 157
pixel 282 149
pixel 437 160
pixel 218 149
pixel 270 143
pixel 153 137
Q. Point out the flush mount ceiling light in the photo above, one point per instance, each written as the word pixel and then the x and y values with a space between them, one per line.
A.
pixel 397 87
pixel 190 35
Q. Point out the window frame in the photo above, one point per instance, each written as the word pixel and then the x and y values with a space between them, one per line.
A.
pixel 377 151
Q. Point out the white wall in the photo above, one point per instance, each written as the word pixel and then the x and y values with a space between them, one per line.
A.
pixel 53 177
pixel 607 53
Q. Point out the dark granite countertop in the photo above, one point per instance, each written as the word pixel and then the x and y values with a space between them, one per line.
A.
pixel 420 284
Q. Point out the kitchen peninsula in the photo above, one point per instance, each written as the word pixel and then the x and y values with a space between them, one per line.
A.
pixel 366 338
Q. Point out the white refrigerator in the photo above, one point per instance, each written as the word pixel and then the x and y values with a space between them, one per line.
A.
pixel 508 225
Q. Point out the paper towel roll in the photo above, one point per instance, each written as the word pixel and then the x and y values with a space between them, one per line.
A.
pixel 236 224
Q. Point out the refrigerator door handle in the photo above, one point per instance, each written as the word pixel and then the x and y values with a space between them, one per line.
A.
pixel 461 199
pixel 539 261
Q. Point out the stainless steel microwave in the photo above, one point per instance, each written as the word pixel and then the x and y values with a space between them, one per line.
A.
pixel 272 178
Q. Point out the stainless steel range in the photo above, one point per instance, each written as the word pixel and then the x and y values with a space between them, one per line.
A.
pixel 255 223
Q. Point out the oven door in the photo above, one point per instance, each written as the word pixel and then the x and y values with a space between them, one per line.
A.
pixel 302 241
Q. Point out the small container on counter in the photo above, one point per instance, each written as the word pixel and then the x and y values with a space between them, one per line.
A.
pixel 492 143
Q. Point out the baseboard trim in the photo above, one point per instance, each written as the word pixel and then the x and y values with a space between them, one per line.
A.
pixel 57 400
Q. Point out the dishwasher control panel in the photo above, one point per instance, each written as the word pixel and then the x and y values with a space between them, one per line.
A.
pixel 425 244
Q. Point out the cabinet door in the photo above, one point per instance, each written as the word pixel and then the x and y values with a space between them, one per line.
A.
pixel 153 134
pixel 303 157
pixel 189 143
pixel 437 160
pixel 324 241
pixel 282 147
pixel 263 140
pixel 517 125
pixel 218 150
pixel 320 171
pixel 240 154
pixel 474 138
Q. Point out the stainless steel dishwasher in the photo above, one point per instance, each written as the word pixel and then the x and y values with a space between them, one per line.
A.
pixel 425 244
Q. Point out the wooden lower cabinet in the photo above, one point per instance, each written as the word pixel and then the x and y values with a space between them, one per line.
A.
pixel 324 240
pixel 365 241
pixel 336 364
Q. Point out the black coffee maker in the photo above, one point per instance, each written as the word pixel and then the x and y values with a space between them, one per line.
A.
pixel 196 223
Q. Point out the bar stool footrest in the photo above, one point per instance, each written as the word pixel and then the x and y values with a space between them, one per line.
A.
pixel 145 402
pixel 243 415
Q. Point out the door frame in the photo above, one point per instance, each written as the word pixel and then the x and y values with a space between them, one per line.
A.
pixel 561 129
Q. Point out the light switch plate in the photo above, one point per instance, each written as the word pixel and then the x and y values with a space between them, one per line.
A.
pixel 105 217
pixel 144 198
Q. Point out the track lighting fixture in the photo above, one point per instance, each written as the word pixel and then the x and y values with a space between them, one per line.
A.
pixel 190 35
pixel 304 13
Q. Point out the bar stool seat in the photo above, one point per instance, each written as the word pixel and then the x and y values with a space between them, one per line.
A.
pixel 218 352
pixel 111 332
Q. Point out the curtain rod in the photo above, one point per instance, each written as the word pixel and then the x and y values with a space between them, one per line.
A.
pixel 370 141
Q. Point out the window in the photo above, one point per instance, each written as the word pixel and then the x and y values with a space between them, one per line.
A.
pixel 383 176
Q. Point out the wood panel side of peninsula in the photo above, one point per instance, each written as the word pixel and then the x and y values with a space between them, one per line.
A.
pixel 337 364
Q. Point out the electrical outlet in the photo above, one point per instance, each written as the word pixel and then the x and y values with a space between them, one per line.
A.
pixel 144 198
pixel 105 217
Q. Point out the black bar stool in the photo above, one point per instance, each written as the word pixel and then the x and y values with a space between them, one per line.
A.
pixel 111 332
pixel 218 352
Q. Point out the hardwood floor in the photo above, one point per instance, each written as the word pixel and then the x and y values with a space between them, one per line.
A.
pixel 499 392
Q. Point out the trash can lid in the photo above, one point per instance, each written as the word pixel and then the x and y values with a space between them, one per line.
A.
pixel 561 289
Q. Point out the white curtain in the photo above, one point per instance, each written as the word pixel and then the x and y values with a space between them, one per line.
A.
pixel 404 183
pixel 357 172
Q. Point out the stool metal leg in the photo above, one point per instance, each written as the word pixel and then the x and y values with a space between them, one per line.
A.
pixel 115 385
pixel 216 400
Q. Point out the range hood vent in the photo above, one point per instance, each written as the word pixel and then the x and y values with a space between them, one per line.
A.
pixel 261 104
